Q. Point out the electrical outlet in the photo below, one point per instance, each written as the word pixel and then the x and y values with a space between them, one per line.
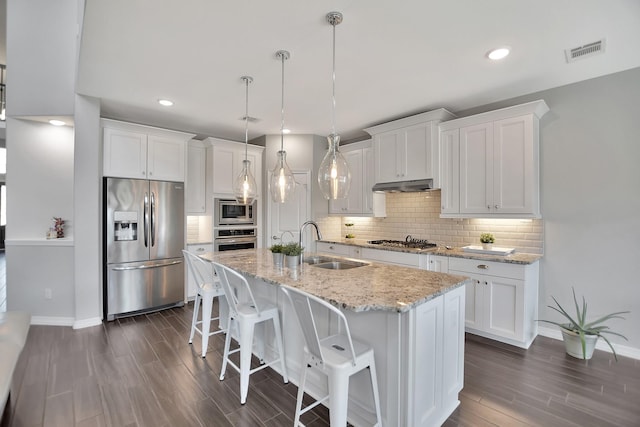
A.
pixel 48 294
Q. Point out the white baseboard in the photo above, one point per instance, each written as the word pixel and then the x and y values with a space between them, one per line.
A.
pixel 52 321
pixel 87 323
pixel 622 350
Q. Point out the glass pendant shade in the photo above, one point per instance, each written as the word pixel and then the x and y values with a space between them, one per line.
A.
pixel 334 177
pixel 283 183
pixel 245 187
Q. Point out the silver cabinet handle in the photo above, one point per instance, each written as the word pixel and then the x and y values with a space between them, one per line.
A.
pixel 331 247
pixel 496 206
pixel 489 207
pixel 200 249
pixel 483 266
pixel 275 238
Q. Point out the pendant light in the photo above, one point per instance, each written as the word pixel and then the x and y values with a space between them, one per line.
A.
pixel 245 188
pixel 334 177
pixel 283 183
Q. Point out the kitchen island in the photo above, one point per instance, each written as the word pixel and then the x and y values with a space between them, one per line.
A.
pixel 414 320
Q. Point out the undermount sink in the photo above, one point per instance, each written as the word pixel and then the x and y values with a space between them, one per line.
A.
pixel 340 265
pixel 319 259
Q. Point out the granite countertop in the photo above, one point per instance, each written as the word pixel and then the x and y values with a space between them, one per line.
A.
pixel 514 258
pixel 372 287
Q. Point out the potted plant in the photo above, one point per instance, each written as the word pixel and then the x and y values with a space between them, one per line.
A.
pixel 487 240
pixel 349 234
pixel 579 335
pixel 278 256
pixel 292 253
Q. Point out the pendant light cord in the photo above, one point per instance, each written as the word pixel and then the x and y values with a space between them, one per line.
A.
pixel 333 110
pixel 246 118
pixel 282 57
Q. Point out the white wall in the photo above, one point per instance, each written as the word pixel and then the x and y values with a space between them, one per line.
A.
pixel 590 197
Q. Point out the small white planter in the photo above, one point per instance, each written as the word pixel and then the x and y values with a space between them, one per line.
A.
pixel 487 246
pixel 292 261
pixel 278 259
pixel 573 345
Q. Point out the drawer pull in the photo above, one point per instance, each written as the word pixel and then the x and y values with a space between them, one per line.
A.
pixel 483 266
pixel 200 249
pixel 331 247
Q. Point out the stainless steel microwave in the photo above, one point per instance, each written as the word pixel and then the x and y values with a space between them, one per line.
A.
pixel 230 212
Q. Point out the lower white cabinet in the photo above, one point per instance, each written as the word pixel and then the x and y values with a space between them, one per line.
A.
pixel 438 263
pixel 192 286
pixel 501 301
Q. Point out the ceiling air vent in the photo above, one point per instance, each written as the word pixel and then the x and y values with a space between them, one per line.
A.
pixel 585 50
pixel 251 119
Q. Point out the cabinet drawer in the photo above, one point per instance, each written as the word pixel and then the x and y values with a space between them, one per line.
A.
pixel 199 249
pixel 474 266
pixel 332 248
pixel 390 257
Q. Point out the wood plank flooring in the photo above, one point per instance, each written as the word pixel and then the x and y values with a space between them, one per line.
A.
pixel 140 371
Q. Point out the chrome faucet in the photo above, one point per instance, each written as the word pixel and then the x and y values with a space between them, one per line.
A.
pixel 302 227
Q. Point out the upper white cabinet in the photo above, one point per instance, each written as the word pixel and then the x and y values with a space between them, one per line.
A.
pixel 143 152
pixel 490 163
pixel 196 178
pixel 227 164
pixel 407 149
pixel 361 200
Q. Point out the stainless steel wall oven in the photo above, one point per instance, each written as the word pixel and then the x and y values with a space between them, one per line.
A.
pixel 234 239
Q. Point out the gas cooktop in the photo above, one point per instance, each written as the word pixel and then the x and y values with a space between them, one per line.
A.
pixel 408 242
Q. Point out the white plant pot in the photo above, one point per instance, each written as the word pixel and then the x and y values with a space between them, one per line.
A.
pixel 292 261
pixel 573 345
pixel 487 246
pixel 278 259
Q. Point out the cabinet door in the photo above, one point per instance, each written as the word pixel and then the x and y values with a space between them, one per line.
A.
pixel 368 178
pixel 196 179
pixel 125 154
pixel 450 171
pixel 389 148
pixel 476 168
pixel 474 302
pixel 165 159
pixel 453 346
pixel 439 264
pixel 223 169
pixel 354 199
pixel 513 166
pixel 504 306
pixel 417 152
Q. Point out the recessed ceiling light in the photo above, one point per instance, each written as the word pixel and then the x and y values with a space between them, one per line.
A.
pixel 286 130
pixel 57 122
pixel 165 102
pixel 498 53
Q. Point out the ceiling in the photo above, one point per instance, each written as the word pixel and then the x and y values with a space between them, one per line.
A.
pixel 393 59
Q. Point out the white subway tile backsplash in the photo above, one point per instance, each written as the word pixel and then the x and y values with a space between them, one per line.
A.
pixel 419 216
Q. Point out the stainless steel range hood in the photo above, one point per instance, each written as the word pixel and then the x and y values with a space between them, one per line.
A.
pixel 404 186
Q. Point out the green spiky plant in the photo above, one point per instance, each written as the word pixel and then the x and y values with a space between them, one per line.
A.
pixel 276 248
pixel 581 327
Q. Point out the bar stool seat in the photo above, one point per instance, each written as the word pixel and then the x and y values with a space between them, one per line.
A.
pixel 245 312
pixel 208 288
pixel 337 356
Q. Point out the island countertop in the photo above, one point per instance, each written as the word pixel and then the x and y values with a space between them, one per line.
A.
pixel 375 286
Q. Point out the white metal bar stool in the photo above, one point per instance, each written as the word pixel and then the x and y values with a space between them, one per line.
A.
pixel 245 312
pixel 337 356
pixel 208 288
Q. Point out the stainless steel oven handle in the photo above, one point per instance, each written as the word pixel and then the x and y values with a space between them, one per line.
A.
pixel 143 267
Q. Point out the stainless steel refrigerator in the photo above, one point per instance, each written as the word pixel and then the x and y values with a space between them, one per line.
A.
pixel 143 240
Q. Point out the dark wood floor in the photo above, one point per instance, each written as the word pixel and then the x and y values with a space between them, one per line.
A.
pixel 141 372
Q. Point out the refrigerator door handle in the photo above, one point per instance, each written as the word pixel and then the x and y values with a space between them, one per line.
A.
pixel 142 267
pixel 153 219
pixel 146 219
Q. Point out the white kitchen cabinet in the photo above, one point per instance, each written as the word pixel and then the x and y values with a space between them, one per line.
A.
pixel 496 171
pixel 227 164
pixel 196 178
pixel 361 200
pixel 143 152
pixel 407 149
pixel 501 301
pixel 403 259
pixel 192 286
pixel 438 263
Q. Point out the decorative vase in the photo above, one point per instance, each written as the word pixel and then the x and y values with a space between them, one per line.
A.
pixel 278 258
pixel 292 261
pixel 487 246
pixel 573 345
